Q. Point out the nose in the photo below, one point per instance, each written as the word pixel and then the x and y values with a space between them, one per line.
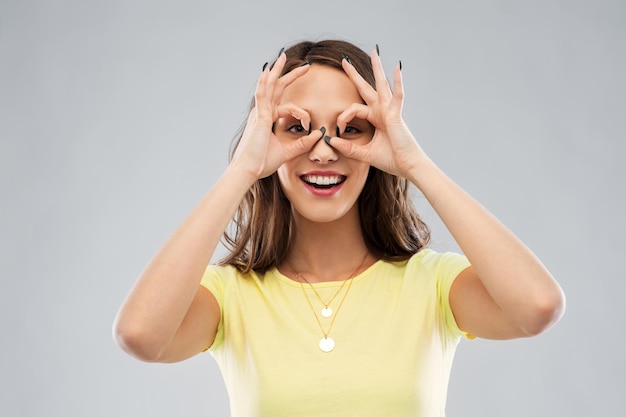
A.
pixel 322 153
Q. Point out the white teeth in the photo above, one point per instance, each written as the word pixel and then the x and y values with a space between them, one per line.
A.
pixel 321 180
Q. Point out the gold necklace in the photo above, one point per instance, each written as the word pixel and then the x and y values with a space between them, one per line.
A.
pixel 327 311
pixel 326 343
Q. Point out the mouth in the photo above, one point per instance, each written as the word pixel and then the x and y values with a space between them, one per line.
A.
pixel 323 181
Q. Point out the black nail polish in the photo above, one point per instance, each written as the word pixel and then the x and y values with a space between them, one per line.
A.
pixel 265 66
pixel 306 63
pixel 377 50
pixel 280 53
pixel 347 58
pixel 337 131
pixel 327 140
pixel 323 130
pixel 400 62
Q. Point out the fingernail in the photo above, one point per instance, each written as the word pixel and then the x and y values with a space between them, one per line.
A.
pixel 323 130
pixel 306 63
pixel 281 52
pixel 327 140
pixel 377 50
pixel 337 131
pixel 265 66
pixel 400 62
pixel 347 58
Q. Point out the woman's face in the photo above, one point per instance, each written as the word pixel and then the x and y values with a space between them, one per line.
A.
pixel 323 185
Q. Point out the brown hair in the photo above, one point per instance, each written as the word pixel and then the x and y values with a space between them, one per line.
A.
pixel 259 237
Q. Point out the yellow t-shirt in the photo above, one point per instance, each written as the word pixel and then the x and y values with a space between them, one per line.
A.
pixel 395 339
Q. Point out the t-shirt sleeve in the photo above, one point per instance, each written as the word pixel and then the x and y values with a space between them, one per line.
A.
pixel 447 267
pixel 214 280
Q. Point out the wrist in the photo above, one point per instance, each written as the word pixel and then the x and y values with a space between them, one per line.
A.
pixel 423 172
pixel 240 174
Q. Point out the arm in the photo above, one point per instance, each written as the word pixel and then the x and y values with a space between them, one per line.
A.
pixel 168 316
pixel 507 292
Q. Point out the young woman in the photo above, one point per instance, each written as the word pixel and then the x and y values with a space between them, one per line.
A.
pixel 330 302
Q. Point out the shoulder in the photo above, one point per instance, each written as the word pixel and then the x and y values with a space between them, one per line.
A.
pixel 221 271
pixel 217 278
pixel 432 268
pixel 438 262
pixel 220 277
pixel 426 267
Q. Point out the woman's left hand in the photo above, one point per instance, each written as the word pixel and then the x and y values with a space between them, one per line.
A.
pixel 393 148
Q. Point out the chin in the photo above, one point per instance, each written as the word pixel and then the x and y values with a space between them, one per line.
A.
pixel 324 213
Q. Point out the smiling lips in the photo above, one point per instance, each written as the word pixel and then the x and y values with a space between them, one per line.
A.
pixel 323 184
pixel 323 181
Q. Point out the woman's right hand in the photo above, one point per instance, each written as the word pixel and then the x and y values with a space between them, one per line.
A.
pixel 259 151
pixel 167 315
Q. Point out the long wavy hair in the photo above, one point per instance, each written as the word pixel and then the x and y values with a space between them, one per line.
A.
pixel 259 236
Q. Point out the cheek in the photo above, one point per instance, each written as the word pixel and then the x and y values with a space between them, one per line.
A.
pixel 283 176
pixel 364 170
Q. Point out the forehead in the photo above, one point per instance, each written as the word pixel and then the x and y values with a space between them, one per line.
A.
pixel 322 87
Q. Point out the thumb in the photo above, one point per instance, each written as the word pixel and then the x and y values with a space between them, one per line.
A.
pixel 304 144
pixel 347 148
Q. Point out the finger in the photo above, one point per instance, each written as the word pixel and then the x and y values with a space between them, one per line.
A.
pixel 294 74
pixel 382 85
pixel 303 144
pixel 265 87
pixel 355 111
pixel 277 68
pixel 366 91
pixel 349 149
pixel 398 90
pixel 289 78
pixel 271 74
pixel 261 84
pixel 290 109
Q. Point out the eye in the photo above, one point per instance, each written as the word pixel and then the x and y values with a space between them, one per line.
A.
pixel 351 130
pixel 296 129
pixel 357 128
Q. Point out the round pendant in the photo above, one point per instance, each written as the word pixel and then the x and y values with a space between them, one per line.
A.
pixel 327 344
pixel 327 312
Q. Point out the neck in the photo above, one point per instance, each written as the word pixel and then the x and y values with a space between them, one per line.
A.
pixel 332 251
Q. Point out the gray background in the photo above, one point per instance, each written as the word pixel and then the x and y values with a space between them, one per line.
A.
pixel 116 117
